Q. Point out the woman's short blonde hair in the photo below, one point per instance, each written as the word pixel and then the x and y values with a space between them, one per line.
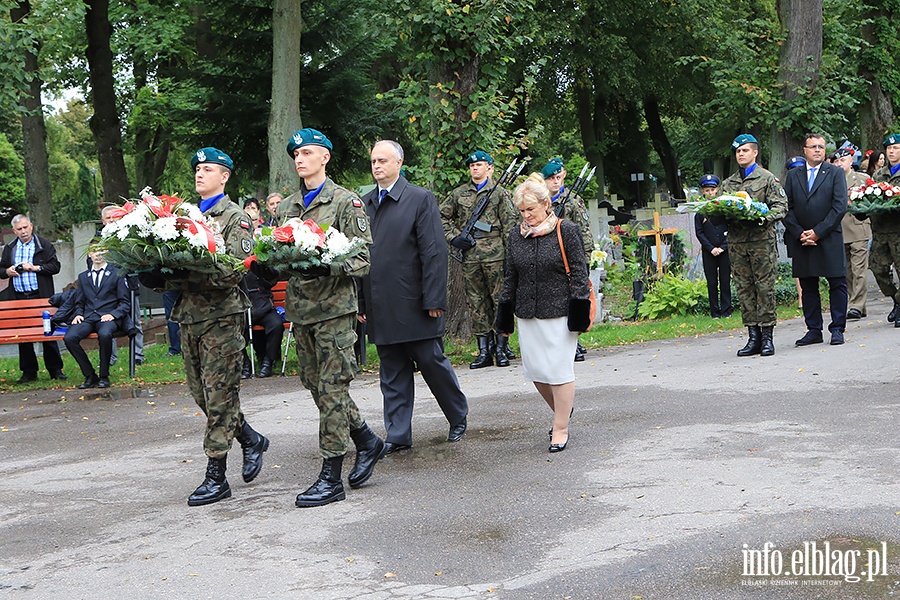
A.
pixel 531 191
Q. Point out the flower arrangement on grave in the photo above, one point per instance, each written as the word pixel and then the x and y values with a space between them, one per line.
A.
pixel 736 207
pixel 874 198
pixel 300 244
pixel 598 257
pixel 164 233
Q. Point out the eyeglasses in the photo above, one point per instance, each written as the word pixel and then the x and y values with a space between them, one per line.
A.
pixel 816 147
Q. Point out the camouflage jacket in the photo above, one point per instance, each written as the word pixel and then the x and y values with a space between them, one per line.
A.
pixel 500 216
pixel 886 222
pixel 576 211
pixel 763 186
pixel 854 229
pixel 322 298
pixel 210 296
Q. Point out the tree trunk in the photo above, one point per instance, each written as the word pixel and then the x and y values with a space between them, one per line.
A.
pixel 104 123
pixel 662 146
pixel 876 115
pixel 34 142
pixel 284 118
pixel 590 110
pixel 151 140
pixel 798 69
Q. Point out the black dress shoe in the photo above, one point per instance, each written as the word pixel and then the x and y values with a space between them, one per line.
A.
pixel 26 377
pixel 837 338
pixel 57 374
pixel 390 448
pixel 812 337
pixel 265 369
pixel 854 314
pixel 457 431
pixel 559 447
pixel 91 381
pixel 103 382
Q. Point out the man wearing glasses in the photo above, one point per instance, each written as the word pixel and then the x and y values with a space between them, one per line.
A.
pixel 751 244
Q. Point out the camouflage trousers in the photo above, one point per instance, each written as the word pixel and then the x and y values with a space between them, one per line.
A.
pixel 885 252
pixel 212 367
pixel 754 267
pixel 484 284
pixel 327 365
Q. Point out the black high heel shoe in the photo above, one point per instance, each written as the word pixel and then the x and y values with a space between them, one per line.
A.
pixel 550 431
pixel 559 447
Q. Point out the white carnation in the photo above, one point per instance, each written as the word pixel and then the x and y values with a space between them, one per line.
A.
pixel 304 238
pixel 165 229
pixel 336 243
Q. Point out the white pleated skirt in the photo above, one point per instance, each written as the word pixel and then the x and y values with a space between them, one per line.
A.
pixel 548 350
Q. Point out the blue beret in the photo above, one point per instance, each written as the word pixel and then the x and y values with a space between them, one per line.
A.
pixel 892 139
pixel 478 156
pixel 794 161
pixel 212 155
pixel 307 137
pixel 744 138
pixel 553 167
pixel 710 181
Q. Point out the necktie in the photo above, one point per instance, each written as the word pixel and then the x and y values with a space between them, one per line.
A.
pixel 97 273
pixel 381 195
pixel 812 177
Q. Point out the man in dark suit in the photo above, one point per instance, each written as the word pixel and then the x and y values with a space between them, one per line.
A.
pixel 30 261
pixel 817 200
pixel 404 296
pixel 102 306
pixel 712 233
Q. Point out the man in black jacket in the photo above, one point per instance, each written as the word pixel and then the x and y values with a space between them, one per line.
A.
pixel 404 297
pixel 102 306
pixel 817 201
pixel 712 232
pixel 30 261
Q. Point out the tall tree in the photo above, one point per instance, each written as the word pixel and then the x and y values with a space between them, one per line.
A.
pixel 878 68
pixel 284 112
pixel 34 133
pixel 105 123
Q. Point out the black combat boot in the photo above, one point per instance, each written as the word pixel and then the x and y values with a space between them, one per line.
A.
pixel 484 353
pixel 265 369
pixel 892 317
pixel 253 445
pixel 753 343
pixel 246 368
pixel 579 352
pixel 327 488
pixel 499 352
pixel 215 487
pixel 509 353
pixel 767 344
pixel 369 449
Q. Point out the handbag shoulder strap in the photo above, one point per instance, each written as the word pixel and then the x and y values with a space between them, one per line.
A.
pixel 562 247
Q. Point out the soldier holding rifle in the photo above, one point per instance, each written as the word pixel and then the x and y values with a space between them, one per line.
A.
pixel 481 247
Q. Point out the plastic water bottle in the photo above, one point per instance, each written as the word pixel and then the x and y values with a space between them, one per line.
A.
pixel 280 311
pixel 47 328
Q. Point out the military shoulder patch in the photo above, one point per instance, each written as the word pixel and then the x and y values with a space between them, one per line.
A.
pixel 357 203
pixel 362 223
pixel 244 224
pixel 246 246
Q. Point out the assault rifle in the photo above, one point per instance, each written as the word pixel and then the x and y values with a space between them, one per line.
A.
pixel 580 183
pixel 466 238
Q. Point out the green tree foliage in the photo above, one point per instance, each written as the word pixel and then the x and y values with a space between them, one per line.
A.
pixel 12 182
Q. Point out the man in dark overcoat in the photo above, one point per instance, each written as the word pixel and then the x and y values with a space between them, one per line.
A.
pixel 404 297
pixel 817 200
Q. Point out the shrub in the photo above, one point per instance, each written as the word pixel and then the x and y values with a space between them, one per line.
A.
pixel 672 295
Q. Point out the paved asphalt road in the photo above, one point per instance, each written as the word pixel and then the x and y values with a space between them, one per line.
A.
pixel 680 454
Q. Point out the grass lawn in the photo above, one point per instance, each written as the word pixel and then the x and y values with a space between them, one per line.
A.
pixel 159 368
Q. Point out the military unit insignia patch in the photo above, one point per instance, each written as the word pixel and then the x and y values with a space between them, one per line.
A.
pixel 361 223
pixel 246 246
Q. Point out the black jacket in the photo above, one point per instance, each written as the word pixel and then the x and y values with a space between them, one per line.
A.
pixel 44 256
pixel 111 298
pixel 408 266
pixel 712 232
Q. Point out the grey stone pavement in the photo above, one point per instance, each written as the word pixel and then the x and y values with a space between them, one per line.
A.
pixel 680 454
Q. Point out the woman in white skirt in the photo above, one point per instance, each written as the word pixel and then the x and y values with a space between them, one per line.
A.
pixel 552 306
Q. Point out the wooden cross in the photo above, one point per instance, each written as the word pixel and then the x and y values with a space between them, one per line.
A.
pixel 658 232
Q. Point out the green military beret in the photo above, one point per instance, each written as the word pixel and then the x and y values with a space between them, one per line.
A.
pixel 892 139
pixel 744 138
pixel 212 155
pixel 478 156
pixel 553 167
pixel 307 137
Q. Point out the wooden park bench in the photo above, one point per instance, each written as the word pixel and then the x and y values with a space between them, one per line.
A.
pixel 21 321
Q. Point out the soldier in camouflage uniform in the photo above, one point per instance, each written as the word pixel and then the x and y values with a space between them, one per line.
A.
pixel 885 249
pixel 211 310
pixel 575 210
pixel 483 256
pixel 754 259
pixel 321 302
pixel 857 234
